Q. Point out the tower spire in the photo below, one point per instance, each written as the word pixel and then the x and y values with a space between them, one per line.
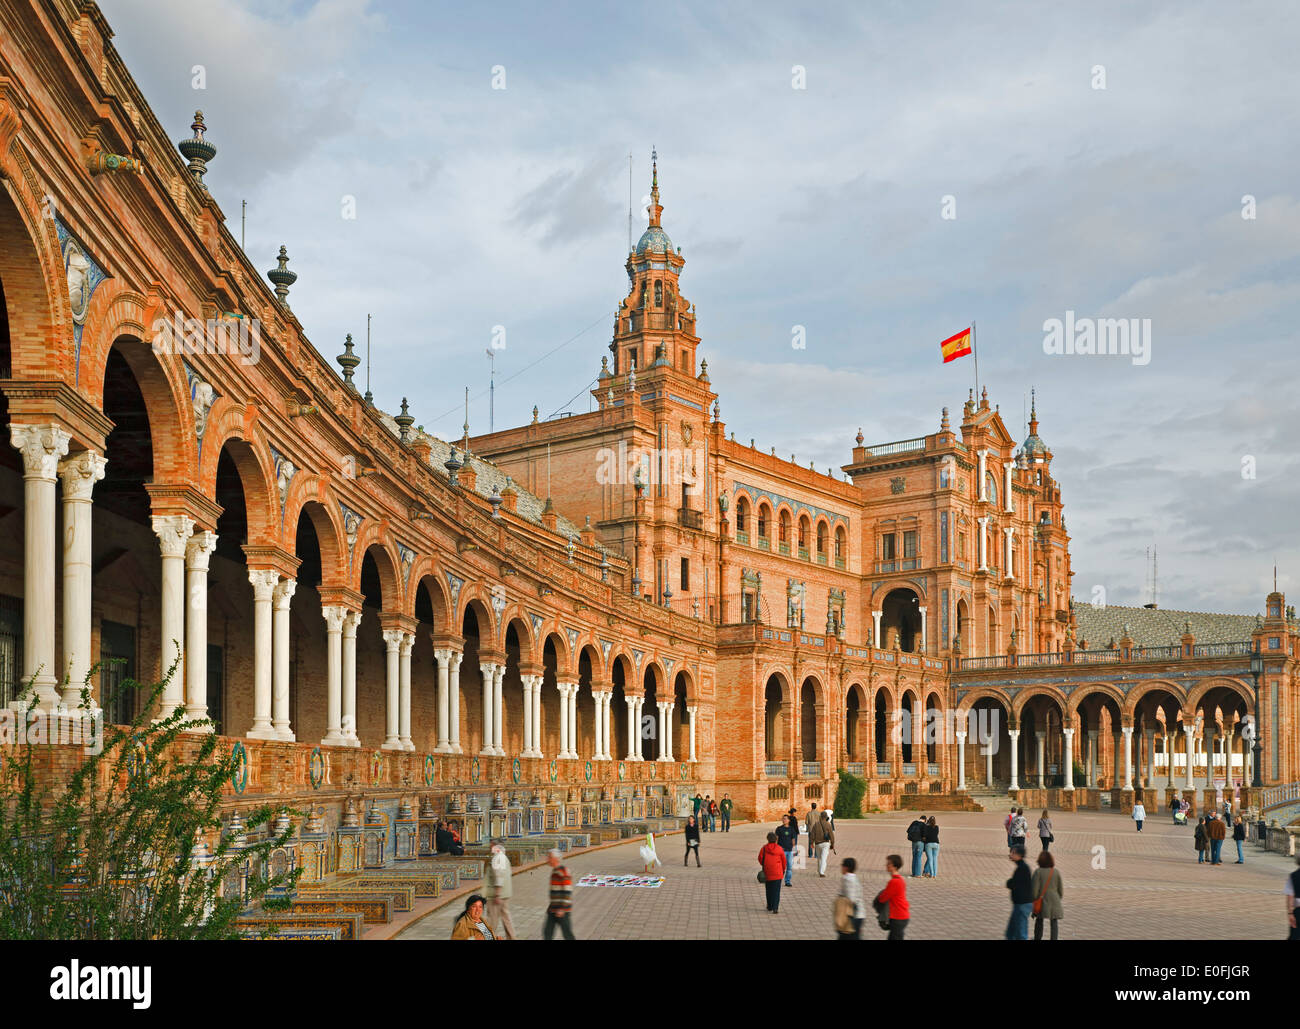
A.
pixel 655 209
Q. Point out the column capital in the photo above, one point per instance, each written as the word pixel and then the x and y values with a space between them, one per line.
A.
pixel 961 737
pixel 408 641
pixel 393 638
pixel 198 549
pixel 41 446
pixel 533 681
pixel 1068 730
pixel 80 472
pixel 173 532
pixel 351 619
pixel 334 616
pixel 446 655
pixel 182 499
pixel 284 593
pixel 264 581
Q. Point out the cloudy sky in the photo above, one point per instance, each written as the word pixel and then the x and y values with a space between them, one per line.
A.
pixel 820 207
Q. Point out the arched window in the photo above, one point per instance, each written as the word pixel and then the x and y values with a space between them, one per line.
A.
pixel 742 515
pixel 821 538
pixel 762 521
pixel 659 293
pixel 784 527
pixel 991 487
pixel 841 544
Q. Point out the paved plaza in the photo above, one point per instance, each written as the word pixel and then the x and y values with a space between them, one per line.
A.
pixel 1151 886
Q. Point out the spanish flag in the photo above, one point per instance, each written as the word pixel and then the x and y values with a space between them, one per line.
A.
pixel 956 346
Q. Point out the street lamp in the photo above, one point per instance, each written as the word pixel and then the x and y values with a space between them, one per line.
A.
pixel 1256 670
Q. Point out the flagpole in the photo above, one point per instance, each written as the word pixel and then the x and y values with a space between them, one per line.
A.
pixel 976 354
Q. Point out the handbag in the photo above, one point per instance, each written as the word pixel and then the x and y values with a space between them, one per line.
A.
pixel 761 877
pixel 882 914
pixel 842 910
pixel 1038 904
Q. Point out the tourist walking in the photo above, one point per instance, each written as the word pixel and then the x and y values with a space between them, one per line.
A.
pixel 698 801
pixel 822 837
pixel 1139 814
pixel 891 902
pixel 787 833
pixel 916 837
pixel 1022 895
pixel 1019 829
pixel 931 869
pixel 724 809
pixel 710 809
pixel 1217 832
pixel 849 916
pixel 1227 813
pixel 500 889
pixel 811 819
pixel 1239 837
pixel 692 841
pixel 1006 824
pixel 773 859
pixel 1174 808
pixel 1048 894
pixel 1045 835
pixel 471 925
pixel 559 912
pixel 1201 840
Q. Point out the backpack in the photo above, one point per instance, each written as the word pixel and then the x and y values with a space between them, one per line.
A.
pixel 915 832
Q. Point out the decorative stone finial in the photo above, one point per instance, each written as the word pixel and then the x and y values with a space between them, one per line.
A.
pixel 197 150
pixel 282 277
pixel 534 414
pixel 404 422
pixel 859 437
pixel 717 411
pixel 943 422
pixel 495 501
pixel 453 465
pixel 348 361
pixel 604 368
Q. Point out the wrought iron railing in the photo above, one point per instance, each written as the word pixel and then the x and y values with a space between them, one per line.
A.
pixel 777 769
pixel 901 446
pixel 812 769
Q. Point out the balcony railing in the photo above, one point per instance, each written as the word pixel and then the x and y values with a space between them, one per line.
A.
pixel 1172 652
pixel 1096 657
pixel 932 768
pixel 764 543
pixel 812 769
pixel 742 537
pixel 909 768
pixel 901 446
pixel 886 566
pixel 690 518
pixel 783 548
pixel 839 563
pixel 776 769
pixel 1222 649
pixel 803 553
pixel 855 767
pixel 821 558
pixel 884 769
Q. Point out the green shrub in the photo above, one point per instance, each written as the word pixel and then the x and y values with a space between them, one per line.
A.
pixel 849 794
pixel 128 844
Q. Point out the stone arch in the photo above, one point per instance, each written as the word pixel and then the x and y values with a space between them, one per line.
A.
pixel 1029 696
pixel 855 714
pixel 778 708
pixel 387 568
pixel 589 645
pixel 32 274
pixel 744 510
pixel 900 619
pixel 980 693
pixel 822 535
pixel 474 597
pixel 260 501
pixel 311 501
pixel 515 616
pixel 565 659
pixel 425 573
pixel 763 519
pixel 1086 690
pixel 1198 693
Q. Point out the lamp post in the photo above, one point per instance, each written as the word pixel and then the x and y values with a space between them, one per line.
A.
pixel 1256 670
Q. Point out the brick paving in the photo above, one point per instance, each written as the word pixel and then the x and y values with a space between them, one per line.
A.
pixel 1150 888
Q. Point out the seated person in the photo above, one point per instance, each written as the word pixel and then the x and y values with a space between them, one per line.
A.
pixel 445 841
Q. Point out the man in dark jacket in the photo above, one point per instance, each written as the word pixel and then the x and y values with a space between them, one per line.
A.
pixel 1239 837
pixel 1216 832
pixel 916 837
pixel 787 834
pixel 1022 896
pixel 445 843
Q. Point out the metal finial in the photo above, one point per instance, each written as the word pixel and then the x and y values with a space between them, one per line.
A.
pixel 348 361
pixel 197 150
pixel 404 422
pixel 282 277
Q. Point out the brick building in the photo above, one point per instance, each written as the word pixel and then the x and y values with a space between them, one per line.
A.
pixel 618 607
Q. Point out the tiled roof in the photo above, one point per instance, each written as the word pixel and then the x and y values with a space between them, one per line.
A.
pixel 527 507
pixel 1157 627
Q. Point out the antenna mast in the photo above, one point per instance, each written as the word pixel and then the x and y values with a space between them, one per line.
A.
pixel 370 397
pixel 629 201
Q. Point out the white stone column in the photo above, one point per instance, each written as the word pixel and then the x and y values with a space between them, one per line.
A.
pixel 527 749
pixel 1188 731
pixel 666 747
pixel 443 656
pixel 562 688
pixel 574 689
pixel 42 446
pixel 983 542
pixel 988 763
pixel 264 581
pixel 1127 730
pixel 487 672
pixel 661 715
pixel 453 700
pixel 173 533
pixel 79 474
pixel 280 663
pixel 1042 760
pixel 921 608
pixel 499 712
pixel 197 552
pixel 983 490
pixel 1209 755
pixel 1069 757
pixel 691 711
pixel 334 617
pixel 404 692
pixel 1090 760
pixel 392 673
pixel 961 760
pixel 1010 552
pixel 537 717
pixel 1010 506
pixel 1015 758
pixel 876 641
pixel 633 730
pixel 351 621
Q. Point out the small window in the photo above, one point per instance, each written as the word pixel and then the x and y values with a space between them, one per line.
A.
pixel 1274 643
pixel 762 522
pixel 631 359
pixel 659 293
pixel 888 550
pixel 686 573
pixel 909 544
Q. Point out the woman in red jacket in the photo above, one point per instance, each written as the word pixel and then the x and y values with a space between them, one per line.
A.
pixel 772 860
pixel 895 895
